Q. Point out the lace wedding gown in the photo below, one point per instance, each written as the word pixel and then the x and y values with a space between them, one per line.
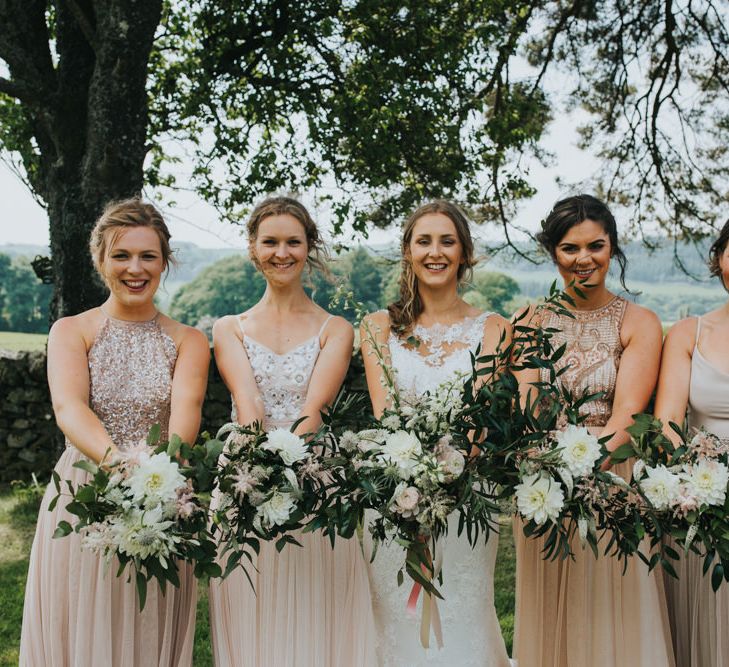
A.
pixel 311 604
pixel 471 632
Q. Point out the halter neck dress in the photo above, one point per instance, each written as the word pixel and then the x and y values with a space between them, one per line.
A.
pixel 699 617
pixel 77 611
pixel 311 605
pixel 585 612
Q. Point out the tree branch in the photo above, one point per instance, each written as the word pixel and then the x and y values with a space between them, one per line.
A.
pixel 18 91
pixel 88 30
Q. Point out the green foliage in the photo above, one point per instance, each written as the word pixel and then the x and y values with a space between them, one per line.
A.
pixel 493 291
pixel 23 298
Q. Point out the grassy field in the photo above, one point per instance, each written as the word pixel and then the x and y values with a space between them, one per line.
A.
pixel 18 511
pixel 16 341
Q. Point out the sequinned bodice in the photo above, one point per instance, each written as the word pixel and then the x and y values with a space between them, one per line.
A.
pixel 592 355
pixel 442 352
pixel 708 394
pixel 282 379
pixel 130 379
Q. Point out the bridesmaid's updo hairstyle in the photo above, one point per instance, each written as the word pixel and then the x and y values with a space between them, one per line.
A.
pixel 409 306
pixel 125 214
pixel 716 251
pixel 318 254
pixel 572 211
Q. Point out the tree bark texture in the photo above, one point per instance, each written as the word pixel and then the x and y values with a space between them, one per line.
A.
pixel 79 68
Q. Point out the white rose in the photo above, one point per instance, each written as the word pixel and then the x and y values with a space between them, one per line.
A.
pixel 451 461
pixel 579 449
pixel 405 500
pixel 155 480
pixel 290 447
pixel 539 498
pixel 708 481
pixel 402 449
pixel 661 487
pixel 277 510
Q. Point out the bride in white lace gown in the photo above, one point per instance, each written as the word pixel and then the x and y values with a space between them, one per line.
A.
pixel 283 359
pixel 427 337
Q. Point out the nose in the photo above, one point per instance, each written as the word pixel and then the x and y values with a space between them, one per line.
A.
pixel 281 250
pixel 584 257
pixel 135 265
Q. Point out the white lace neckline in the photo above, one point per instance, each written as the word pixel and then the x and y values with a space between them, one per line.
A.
pixel 442 340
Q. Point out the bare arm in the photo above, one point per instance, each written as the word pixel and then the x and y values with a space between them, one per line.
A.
pixel 526 377
pixel 375 326
pixel 236 370
pixel 497 333
pixel 68 379
pixel 637 373
pixel 188 384
pixel 328 374
pixel 673 383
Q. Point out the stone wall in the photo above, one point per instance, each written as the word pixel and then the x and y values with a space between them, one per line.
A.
pixel 30 441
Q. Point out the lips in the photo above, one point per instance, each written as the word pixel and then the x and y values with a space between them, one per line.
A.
pixel 437 267
pixel 584 273
pixel 282 266
pixel 135 286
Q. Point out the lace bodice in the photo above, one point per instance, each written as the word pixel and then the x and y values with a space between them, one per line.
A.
pixel 443 351
pixel 130 379
pixel 592 356
pixel 282 379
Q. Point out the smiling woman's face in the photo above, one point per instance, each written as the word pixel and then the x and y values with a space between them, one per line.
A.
pixel 133 265
pixel 583 254
pixel 435 251
pixel 281 248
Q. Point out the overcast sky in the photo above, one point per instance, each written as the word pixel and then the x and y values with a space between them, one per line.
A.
pixel 24 221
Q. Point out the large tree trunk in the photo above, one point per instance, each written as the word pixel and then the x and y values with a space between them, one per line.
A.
pixel 88 116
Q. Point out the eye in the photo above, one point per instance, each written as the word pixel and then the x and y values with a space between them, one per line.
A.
pixel 597 245
pixel 119 255
pixel 422 242
pixel 268 242
pixel 294 242
pixel 149 257
pixel 449 241
pixel 568 248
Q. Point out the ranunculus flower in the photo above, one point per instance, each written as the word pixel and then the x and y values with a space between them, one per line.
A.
pixel 277 510
pixel 539 498
pixel 707 480
pixel 579 449
pixel 405 500
pixel 402 449
pixel 290 447
pixel 155 480
pixel 661 487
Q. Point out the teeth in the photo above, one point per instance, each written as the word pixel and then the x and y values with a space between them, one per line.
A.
pixel 436 267
pixel 283 266
pixel 134 283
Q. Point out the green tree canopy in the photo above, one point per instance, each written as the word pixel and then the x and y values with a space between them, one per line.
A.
pixel 494 291
pixel 377 104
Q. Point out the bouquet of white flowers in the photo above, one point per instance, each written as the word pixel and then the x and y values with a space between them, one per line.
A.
pixel 269 483
pixel 686 487
pixel 147 505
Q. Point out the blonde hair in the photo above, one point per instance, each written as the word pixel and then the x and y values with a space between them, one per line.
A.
pixel 406 310
pixel 124 214
pixel 318 254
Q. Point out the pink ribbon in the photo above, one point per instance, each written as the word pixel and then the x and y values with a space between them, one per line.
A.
pixel 430 617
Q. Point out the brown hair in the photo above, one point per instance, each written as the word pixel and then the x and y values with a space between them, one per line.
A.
pixel 124 214
pixel 716 251
pixel 318 254
pixel 408 307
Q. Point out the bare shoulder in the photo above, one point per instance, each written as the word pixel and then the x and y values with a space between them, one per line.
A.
pixel 378 322
pixel 74 328
pixel 184 336
pixel 338 326
pixel 683 333
pixel 495 322
pixel 526 316
pixel 637 316
pixel 226 325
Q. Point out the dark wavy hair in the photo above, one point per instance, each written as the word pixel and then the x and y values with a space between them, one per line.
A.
pixel 409 306
pixel 571 211
pixel 716 251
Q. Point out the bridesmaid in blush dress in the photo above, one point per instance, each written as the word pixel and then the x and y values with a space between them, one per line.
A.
pixel 283 359
pixel 575 613
pixel 695 375
pixel 437 254
pixel 113 372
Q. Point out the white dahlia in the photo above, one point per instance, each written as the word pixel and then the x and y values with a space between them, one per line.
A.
pixel 661 487
pixel 539 498
pixel 402 449
pixel 579 449
pixel 290 447
pixel 707 480
pixel 155 480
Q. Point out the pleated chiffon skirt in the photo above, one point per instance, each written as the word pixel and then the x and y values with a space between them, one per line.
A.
pixel 699 617
pixel 586 612
pixel 78 612
pixel 311 608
